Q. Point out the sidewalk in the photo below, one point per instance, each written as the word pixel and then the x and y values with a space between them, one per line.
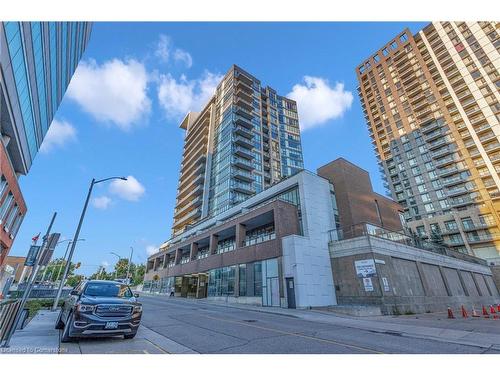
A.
pixel 38 337
pixel 402 327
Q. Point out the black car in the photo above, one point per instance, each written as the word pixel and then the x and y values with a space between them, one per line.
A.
pixel 97 308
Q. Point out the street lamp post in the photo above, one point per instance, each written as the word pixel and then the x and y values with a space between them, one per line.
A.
pixel 64 258
pixel 119 258
pixel 129 263
pixel 77 233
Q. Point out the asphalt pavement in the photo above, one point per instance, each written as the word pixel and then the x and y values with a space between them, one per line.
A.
pixel 214 328
pixel 186 326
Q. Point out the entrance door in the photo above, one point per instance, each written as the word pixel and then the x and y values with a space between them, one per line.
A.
pixel 290 292
pixel 273 291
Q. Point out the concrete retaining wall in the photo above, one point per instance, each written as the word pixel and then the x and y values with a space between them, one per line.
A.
pixel 409 280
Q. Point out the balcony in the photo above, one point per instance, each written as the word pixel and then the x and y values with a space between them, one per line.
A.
pixel 474 226
pixel 453 180
pixel 243 152
pixel 432 126
pixel 240 85
pixel 243 104
pixel 441 152
pixel 447 160
pixel 447 171
pixel 463 201
pixel 243 188
pixel 242 163
pixel 242 141
pixel 436 134
pixel 253 240
pixel 481 238
pixel 198 190
pixel 245 95
pixel 195 214
pixel 492 146
pixel 438 143
pixel 243 121
pixel 457 191
pixel 244 132
pixel 242 175
pixel 243 112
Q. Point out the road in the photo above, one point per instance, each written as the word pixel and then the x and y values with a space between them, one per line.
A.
pixel 212 328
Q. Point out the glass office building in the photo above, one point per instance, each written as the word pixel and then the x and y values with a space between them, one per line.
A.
pixel 246 139
pixel 37 61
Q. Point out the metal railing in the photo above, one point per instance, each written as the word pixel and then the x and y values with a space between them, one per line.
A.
pixel 367 229
pixel 8 311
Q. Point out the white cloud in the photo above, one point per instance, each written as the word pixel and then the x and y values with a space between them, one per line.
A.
pixel 163 48
pixel 318 102
pixel 104 263
pixel 130 190
pixel 102 202
pixel 177 97
pixel 151 249
pixel 165 51
pixel 114 92
pixel 59 134
pixel 184 57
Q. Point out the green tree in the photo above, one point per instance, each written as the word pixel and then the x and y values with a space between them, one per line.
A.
pixel 55 269
pixel 101 274
pixel 137 272
pixel 436 238
pixel 73 280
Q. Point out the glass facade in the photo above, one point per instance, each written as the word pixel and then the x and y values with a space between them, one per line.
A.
pixel 256 141
pixel 43 57
pixel 257 279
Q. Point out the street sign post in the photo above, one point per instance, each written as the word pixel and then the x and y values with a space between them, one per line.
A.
pixel 48 250
pixel 31 257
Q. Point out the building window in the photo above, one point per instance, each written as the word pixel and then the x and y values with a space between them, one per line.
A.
pixel 451 225
pixel 425 197
pixel 486 219
pixel 467 223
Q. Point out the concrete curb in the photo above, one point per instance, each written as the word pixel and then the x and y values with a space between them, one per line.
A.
pixel 164 343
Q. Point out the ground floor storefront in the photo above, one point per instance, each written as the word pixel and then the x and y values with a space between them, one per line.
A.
pixel 256 283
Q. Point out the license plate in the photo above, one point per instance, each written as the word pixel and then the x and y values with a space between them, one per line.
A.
pixel 111 325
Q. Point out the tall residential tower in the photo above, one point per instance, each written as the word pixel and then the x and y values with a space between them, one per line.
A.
pixel 245 139
pixel 431 101
pixel 37 61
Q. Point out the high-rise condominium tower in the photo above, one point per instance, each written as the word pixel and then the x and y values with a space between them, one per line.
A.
pixel 244 140
pixel 37 61
pixel 431 101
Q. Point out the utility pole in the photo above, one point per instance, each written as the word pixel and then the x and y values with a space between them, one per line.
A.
pixel 31 280
pixel 75 238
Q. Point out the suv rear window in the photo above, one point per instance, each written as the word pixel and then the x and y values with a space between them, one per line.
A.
pixel 107 290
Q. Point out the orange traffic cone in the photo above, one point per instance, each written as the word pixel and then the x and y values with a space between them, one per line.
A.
pixel 464 312
pixel 474 313
pixel 450 313
pixel 493 312
pixel 485 313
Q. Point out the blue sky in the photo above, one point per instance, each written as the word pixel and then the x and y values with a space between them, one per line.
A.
pixel 121 113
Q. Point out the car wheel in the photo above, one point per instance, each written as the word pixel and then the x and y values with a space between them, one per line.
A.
pixel 130 336
pixel 59 322
pixel 66 335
